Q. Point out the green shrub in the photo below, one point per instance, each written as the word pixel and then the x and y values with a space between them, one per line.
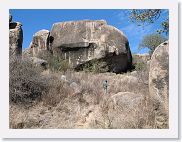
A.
pixel 140 66
pixel 151 41
pixel 95 66
pixel 54 63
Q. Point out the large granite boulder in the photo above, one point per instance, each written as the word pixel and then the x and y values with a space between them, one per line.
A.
pixel 39 44
pixel 159 84
pixel 86 40
pixel 124 110
pixel 15 37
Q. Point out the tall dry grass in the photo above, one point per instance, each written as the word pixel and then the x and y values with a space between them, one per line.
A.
pixel 78 101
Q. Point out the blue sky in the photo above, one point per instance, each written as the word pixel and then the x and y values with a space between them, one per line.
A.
pixel 35 20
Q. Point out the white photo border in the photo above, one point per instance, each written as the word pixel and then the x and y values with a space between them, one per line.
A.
pixel 172 132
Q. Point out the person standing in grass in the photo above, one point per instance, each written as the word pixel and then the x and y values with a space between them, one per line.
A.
pixel 105 86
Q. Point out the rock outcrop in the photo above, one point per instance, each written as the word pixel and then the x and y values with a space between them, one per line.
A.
pixel 15 37
pixel 81 42
pixel 40 43
pixel 86 40
pixel 159 84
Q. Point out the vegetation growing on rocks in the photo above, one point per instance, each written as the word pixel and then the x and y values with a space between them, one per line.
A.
pixel 60 97
pixel 69 99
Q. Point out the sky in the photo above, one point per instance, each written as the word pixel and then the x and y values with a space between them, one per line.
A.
pixel 34 20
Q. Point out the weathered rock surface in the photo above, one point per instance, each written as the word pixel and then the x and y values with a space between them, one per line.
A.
pixel 82 41
pixel 126 100
pixel 159 83
pixel 123 109
pixel 75 87
pixel 15 37
pixel 39 44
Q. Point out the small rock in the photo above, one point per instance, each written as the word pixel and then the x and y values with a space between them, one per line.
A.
pixel 134 73
pixel 64 79
pixel 75 87
pixel 39 62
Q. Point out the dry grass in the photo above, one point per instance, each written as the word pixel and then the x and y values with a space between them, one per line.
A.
pixel 25 82
pixel 79 101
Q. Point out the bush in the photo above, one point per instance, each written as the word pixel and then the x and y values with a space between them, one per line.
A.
pixel 57 91
pixel 58 64
pixel 94 66
pixel 25 82
pixel 139 66
pixel 55 62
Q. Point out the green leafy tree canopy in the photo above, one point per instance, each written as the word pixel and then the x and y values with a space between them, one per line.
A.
pixel 148 16
pixel 151 41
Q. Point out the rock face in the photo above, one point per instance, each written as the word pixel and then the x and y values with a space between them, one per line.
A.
pixel 82 41
pixel 40 43
pixel 123 108
pixel 126 100
pixel 15 37
pixel 159 83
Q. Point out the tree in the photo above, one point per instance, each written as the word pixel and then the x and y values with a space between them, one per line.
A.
pixel 151 41
pixel 148 16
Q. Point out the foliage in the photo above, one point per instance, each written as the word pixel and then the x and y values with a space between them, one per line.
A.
pixel 58 64
pixel 25 82
pixel 151 41
pixel 145 15
pixel 148 16
pixel 165 27
pixel 55 62
pixel 95 66
pixel 140 66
